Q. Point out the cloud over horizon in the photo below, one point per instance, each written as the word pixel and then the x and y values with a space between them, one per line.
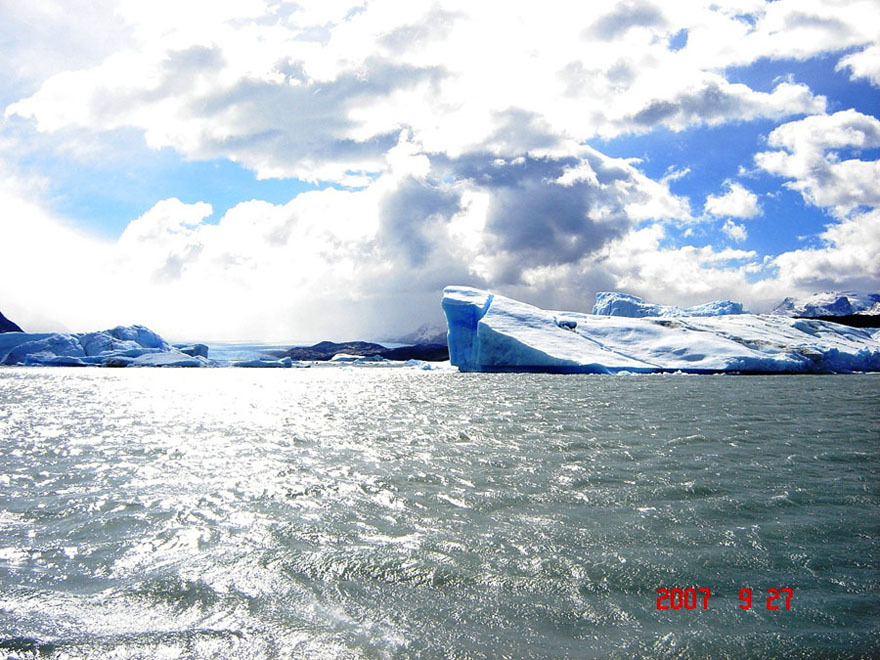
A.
pixel 453 145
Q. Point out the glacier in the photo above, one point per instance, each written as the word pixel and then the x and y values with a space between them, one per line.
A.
pixel 491 333
pixel 614 303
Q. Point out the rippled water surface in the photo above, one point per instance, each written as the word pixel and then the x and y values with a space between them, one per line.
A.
pixel 396 513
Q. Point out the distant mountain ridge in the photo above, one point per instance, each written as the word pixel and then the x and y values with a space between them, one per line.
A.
pixel 830 304
pixel 427 333
pixel 8 326
pixel 325 350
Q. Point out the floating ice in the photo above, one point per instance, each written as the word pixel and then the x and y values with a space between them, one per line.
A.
pixel 195 350
pixel 613 303
pixel 117 347
pixel 170 358
pixel 489 332
pixel 267 363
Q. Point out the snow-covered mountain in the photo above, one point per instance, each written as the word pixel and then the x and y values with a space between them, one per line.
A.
pixel 830 303
pixel 489 332
pixel 427 333
pixel 614 303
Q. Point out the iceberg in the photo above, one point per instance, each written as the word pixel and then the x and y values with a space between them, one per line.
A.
pixel 267 363
pixel 195 350
pixel 121 346
pixel 492 333
pixel 170 358
pixel 614 303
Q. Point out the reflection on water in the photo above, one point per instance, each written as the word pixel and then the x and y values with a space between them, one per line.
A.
pixel 383 513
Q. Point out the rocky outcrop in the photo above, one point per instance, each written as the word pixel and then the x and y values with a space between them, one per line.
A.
pixel 8 326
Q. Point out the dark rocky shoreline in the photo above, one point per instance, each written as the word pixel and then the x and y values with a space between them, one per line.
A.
pixel 325 350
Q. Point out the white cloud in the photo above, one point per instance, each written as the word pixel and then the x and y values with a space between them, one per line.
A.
pixel 846 260
pixel 734 231
pixel 737 202
pixel 865 65
pixel 813 153
pixel 368 262
pixel 50 269
pixel 322 93
pixel 464 128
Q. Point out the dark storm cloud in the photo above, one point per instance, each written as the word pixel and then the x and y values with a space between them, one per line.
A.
pixel 408 215
pixel 534 221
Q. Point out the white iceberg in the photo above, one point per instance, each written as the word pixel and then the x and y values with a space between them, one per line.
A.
pixel 489 332
pixel 614 303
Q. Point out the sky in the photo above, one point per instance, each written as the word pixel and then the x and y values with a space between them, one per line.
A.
pixel 272 170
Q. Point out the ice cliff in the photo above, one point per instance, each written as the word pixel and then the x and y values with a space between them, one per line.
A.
pixel 121 346
pixel 488 332
pixel 613 303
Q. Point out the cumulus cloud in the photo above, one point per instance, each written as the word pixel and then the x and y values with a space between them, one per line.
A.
pixel 322 95
pixel 864 65
pixel 712 100
pixel 846 260
pixel 819 155
pixel 459 137
pixel 736 202
pixel 812 152
pixel 354 261
pixel 734 231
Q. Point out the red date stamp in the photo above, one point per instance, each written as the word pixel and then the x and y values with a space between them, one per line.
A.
pixel 691 599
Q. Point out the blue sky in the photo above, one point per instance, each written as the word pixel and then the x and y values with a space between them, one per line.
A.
pixel 270 170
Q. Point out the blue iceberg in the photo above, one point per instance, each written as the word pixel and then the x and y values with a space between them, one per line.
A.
pixel 489 332
pixel 614 303
pixel 121 346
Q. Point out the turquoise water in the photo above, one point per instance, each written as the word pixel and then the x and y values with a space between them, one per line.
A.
pixel 389 513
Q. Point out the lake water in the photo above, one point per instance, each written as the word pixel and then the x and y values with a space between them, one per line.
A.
pixel 398 513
